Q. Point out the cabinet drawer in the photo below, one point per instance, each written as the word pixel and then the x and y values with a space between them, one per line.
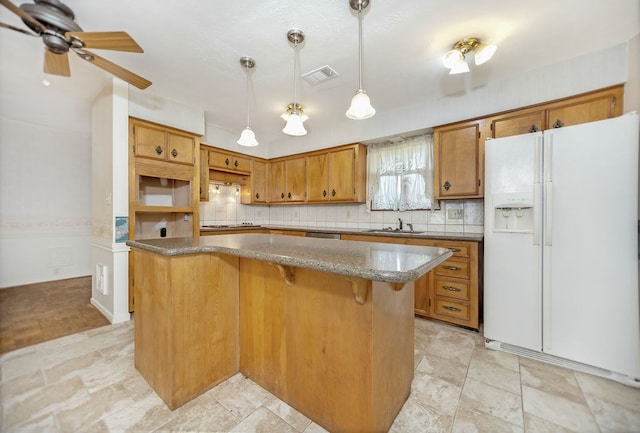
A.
pixel 459 249
pixel 451 309
pixel 452 288
pixel 149 142
pixel 452 268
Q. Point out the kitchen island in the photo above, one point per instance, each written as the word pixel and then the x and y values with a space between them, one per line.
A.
pixel 325 325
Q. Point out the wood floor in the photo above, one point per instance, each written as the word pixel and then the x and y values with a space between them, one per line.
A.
pixel 40 312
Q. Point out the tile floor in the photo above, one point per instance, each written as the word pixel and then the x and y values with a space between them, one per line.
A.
pixel 86 382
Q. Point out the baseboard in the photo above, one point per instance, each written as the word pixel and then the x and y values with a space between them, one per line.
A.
pixel 106 313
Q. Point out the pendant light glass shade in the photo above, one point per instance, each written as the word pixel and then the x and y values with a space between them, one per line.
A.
pixel 247 137
pixel 484 53
pixel 361 107
pixel 455 59
pixel 294 125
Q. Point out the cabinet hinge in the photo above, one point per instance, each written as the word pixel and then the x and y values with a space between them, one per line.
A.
pixel 478 134
pixel 491 127
pixel 614 101
pixel 478 182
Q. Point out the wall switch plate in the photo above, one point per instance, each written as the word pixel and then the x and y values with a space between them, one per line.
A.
pixel 454 214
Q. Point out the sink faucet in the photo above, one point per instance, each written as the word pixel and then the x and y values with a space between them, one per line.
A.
pixel 399 223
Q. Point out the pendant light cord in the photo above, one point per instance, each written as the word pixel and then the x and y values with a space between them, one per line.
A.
pixel 360 46
pixel 247 70
pixel 295 75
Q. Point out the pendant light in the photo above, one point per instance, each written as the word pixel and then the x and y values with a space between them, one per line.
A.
pixel 247 138
pixel 360 104
pixel 295 119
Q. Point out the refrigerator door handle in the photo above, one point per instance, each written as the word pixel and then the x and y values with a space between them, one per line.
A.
pixel 547 224
pixel 537 216
pixel 537 160
pixel 546 154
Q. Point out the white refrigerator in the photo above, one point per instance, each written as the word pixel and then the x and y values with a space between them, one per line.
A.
pixel 561 246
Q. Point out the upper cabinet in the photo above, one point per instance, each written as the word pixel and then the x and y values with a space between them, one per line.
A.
pixel 598 105
pixel 257 193
pixel 458 160
pixel 157 142
pixel 459 147
pixel 286 180
pixel 337 175
pixel 228 161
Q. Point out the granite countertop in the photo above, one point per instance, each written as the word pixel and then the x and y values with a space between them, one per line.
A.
pixel 370 260
pixel 451 236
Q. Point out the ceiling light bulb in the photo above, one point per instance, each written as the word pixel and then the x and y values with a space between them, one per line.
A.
pixel 452 59
pixel 294 126
pixel 484 53
pixel 360 106
pixel 247 138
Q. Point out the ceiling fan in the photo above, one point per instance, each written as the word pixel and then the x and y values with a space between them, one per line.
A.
pixel 54 22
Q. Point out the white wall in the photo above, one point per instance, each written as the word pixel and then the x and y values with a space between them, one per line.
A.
pixel 45 189
pixel 109 185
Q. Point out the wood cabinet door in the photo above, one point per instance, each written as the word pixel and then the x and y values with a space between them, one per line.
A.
pixel 276 181
pixel 517 123
pixel 342 175
pixel 180 148
pixel 259 182
pixel 457 158
pixel 589 108
pixel 318 177
pixel 150 142
pixel 296 179
pixel 204 175
pixel 220 160
pixel 241 164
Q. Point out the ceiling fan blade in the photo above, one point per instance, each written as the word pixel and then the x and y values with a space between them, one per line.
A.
pixel 9 26
pixel 114 69
pixel 117 41
pixel 22 14
pixel 56 64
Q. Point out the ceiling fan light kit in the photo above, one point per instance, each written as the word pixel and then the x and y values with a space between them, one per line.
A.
pixel 247 137
pixel 294 125
pixel 53 21
pixel 361 107
pixel 455 59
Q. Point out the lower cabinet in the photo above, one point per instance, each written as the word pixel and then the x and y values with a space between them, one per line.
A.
pixel 452 292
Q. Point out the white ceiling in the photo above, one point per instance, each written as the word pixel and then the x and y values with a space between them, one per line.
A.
pixel 192 50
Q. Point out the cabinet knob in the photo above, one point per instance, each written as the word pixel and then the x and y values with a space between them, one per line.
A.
pixel 533 128
pixel 324 193
pixel 159 150
pixel 236 164
pixel 446 185
pixel 281 195
pixel 257 195
pixel 289 195
pixel 333 193
pixel 174 153
pixel 226 161
pixel 558 124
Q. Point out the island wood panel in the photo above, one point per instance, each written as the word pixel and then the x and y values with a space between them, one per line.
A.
pixel 186 329
pixel 345 365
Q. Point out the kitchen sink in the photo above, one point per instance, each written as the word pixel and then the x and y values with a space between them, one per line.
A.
pixel 395 231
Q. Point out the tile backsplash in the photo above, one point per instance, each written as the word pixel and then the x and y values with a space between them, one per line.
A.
pixel 224 207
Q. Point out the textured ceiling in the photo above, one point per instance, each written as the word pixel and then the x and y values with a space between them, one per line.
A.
pixel 192 50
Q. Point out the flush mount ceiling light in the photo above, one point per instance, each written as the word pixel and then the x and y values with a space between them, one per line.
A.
pixel 247 138
pixel 295 118
pixel 360 104
pixel 456 58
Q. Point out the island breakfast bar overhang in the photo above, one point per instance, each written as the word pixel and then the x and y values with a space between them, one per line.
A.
pixel 325 325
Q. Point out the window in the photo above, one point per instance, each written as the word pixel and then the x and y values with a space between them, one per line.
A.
pixel 400 175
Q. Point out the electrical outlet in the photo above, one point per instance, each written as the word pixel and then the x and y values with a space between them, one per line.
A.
pixel 454 214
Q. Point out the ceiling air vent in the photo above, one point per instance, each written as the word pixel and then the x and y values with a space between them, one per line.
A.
pixel 320 75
